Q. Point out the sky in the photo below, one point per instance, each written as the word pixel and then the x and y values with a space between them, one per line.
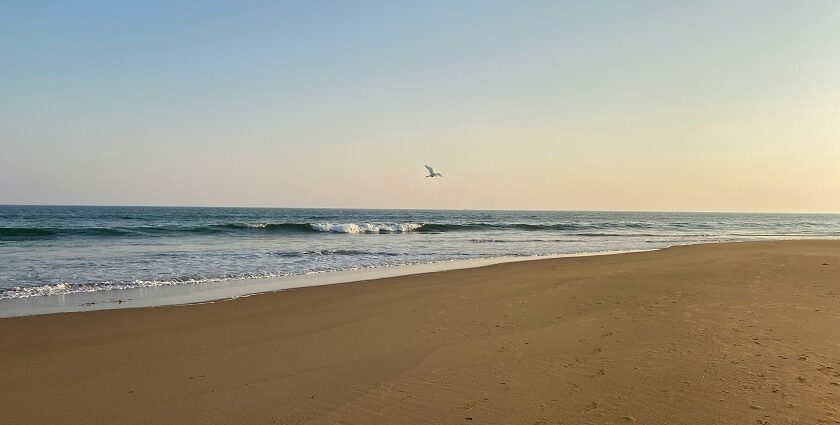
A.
pixel 590 105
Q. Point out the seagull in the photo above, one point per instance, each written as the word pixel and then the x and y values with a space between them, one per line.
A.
pixel 432 172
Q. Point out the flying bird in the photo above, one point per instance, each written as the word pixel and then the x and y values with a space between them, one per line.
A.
pixel 432 172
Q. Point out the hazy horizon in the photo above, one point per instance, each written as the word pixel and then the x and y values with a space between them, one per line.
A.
pixel 415 209
pixel 553 106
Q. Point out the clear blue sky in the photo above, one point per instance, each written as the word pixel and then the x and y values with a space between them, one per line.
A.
pixel 654 105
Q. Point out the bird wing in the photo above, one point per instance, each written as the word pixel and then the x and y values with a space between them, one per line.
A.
pixel 431 171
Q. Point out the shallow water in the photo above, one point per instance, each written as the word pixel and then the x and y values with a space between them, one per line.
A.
pixel 49 250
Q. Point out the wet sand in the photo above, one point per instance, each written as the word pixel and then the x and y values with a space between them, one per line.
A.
pixel 738 333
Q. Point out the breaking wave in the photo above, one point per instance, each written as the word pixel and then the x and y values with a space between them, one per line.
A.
pixel 366 227
pixel 575 229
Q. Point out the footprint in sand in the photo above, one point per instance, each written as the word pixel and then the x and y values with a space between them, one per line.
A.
pixel 599 373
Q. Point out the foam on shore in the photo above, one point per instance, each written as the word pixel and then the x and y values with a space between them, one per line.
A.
pixel 212 291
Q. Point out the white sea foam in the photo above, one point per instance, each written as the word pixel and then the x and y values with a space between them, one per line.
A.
pixel 75 288
pixel 366 227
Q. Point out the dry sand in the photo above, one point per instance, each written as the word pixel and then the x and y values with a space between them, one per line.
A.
pixel 714 334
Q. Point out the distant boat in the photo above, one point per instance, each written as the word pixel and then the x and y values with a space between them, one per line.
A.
pixel 432 172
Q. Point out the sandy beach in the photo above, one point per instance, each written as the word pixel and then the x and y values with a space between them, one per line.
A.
pixel 739 333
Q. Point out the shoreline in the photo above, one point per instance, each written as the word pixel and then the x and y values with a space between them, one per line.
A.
pixel 227 290
pixel 717 333
pixel 221 291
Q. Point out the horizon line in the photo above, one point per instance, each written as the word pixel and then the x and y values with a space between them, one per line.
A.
pixel 418 209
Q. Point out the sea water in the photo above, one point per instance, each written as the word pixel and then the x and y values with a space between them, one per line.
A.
pixel 60 250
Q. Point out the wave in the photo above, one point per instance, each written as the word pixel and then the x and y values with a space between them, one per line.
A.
pixel 16 233
pixel 602 229
pixel 266 227
pixel 19 233
pixel 446 227
pixel 366 227
pixel 42 232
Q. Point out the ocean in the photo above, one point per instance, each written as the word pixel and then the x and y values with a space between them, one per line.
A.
pixel 60 250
